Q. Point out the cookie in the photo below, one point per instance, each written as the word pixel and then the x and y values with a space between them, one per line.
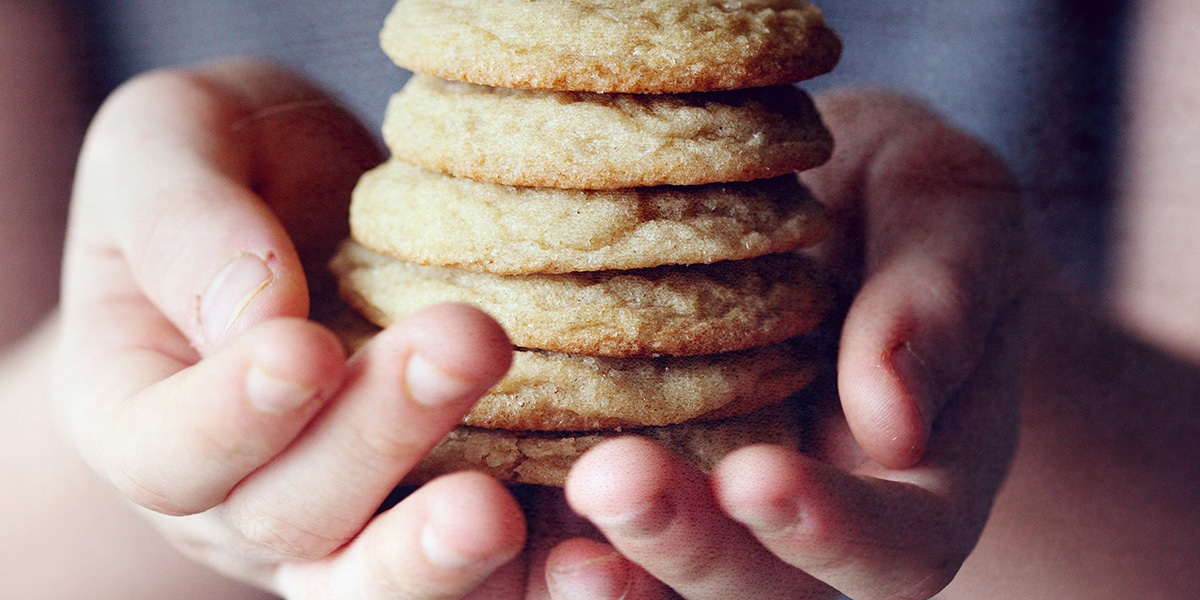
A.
pixel 688 310
pixel 429 218
pixel 582 140
pixel 550 391
pixel 589 45
pixel 544 459
pixel 547 391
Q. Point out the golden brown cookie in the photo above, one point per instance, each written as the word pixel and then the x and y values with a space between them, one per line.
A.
pixel 590 45
pixel 547 391
pixel 429 218
pixel 678 310
pixel 550 391
pixel 583 140
pixel 544 459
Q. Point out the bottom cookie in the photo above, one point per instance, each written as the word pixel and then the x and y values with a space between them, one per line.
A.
pixel 544 458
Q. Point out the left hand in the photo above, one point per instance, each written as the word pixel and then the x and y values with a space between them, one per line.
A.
pixel 898 485
pixel 190 380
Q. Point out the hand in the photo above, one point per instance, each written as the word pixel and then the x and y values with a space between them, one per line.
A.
pixel 190 378
pixel 894 492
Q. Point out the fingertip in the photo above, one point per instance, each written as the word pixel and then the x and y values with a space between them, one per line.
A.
pixel 395 404
pixel 453 353
pixel 859 118
pixel 779 494
pixel 882 416
pixel 907 346
pixel 295 355
pixel 461 341
pixel 885 423
pixel 474 525
pixel 442 541
pixel 583 569
pixel 760 487
pixel 621 482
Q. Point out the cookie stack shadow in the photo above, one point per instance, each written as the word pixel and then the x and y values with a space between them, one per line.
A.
pixel 615 184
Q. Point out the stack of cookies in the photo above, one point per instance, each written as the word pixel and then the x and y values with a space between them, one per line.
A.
pixel 615 183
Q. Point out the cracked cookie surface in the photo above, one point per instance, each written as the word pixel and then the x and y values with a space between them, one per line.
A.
pixel 652 46
pixel 551 391
pixel 545 459
pixel 583 140
pixel 430 218
pixel 675 310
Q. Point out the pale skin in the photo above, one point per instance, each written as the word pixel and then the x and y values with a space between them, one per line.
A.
pixel 279 448
pixel 66 534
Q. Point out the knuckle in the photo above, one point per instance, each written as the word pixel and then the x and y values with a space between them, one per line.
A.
pixel 950 159
pixel 228 454
pixel 949 283
pixel 281 537
pixel 377 448
pixel 387 579
pixel 153 497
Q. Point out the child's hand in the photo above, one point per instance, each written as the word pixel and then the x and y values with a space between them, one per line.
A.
pixel 189 377
pixel 930 245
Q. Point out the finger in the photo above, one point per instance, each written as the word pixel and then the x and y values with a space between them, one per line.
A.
pixel 585 569
pixel 442 542
pixel 182 177
pixel 569 559
pixel 878 532
pixel 176 439
pixel 404 391
pixel 867 538
pixel 910 334
pixel 930 221
pixel 660 513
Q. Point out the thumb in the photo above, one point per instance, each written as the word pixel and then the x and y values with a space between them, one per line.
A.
pixel 930 232
pixel 205 194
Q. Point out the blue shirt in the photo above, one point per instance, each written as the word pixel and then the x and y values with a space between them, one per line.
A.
pixel 1038 80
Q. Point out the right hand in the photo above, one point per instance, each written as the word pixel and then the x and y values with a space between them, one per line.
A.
pixel 894 489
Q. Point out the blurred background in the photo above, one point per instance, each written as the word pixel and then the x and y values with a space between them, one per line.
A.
pixel 1038 80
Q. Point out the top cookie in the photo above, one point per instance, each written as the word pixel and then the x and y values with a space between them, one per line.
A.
pixel 650 46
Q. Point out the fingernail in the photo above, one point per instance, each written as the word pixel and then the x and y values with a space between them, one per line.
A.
pixel 429 385
pixel 276 396
pixel 230 292
pixel 441 555
pixel 913 373
pixel 591 580
pixel 648 520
